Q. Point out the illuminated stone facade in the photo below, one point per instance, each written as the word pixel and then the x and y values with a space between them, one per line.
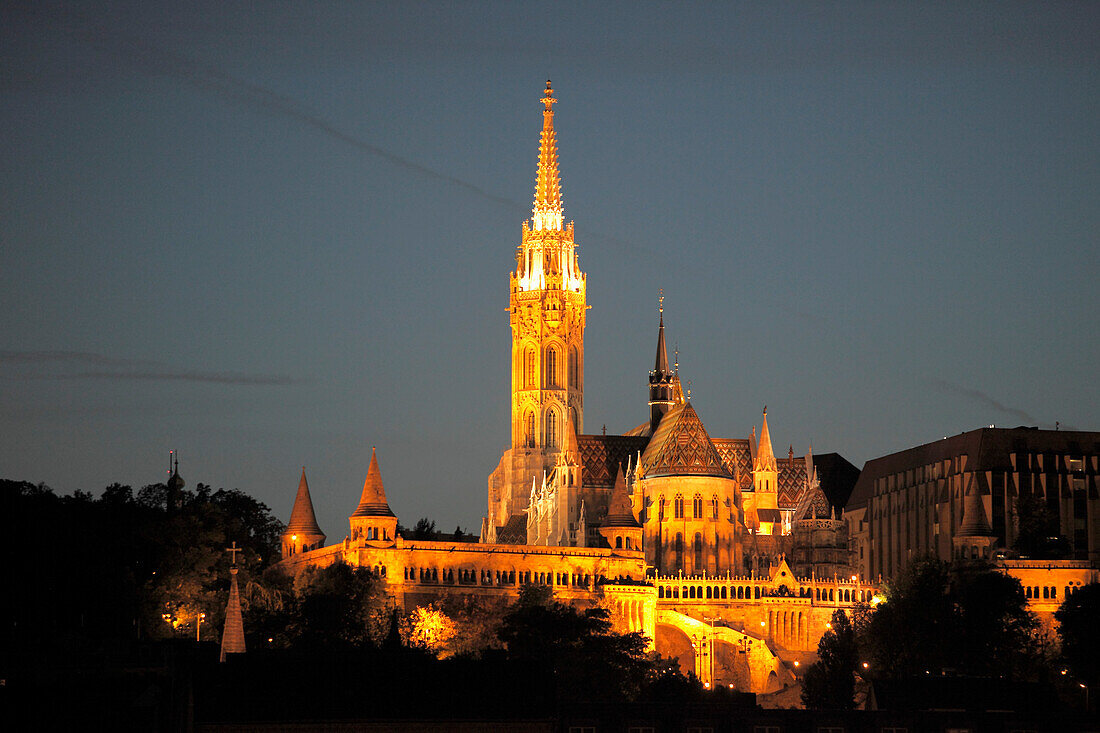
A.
pixel 682 537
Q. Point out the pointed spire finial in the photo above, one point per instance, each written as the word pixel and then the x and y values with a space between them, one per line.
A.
pixel 548 97
pixel 547 211
pixel 689 391
pixel 661 303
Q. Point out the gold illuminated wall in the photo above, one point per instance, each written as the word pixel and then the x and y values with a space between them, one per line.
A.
pixel 547 307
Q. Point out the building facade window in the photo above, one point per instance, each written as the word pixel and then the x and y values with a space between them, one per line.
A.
pixel 529 430
pixel 530 362
pixel 697 507
pixel 552 366
pixel 679 506
pixel 551 429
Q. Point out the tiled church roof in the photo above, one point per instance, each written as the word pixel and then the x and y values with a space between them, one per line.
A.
pixel 601 456
pixel 737 458
pixel 681 447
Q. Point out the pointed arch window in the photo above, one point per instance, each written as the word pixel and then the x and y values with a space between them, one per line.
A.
pixel 697 507
pixel 551 429
pixel 574 380
pixel 679 506
pixel 529 429
pixel 714 507
pixel 552 367
pixel 698 547
pixel 530 365
pixel 679 546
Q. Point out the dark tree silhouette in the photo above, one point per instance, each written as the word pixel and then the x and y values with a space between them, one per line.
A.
pixel 1079 629
pixel 830 682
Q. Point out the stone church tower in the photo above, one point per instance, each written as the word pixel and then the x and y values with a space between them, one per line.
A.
pixel 548 309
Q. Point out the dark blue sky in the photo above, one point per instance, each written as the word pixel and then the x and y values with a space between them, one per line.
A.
pixel 276 234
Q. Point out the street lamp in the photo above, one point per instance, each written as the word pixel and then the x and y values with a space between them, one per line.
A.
pixel 198 626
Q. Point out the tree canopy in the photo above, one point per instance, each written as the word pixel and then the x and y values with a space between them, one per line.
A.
pixel 967 618
pixel 1079 630
pixel 829 683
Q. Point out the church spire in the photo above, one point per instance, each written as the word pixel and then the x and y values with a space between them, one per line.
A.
pixel 661 365
pixel 233 632
pixel 662 381
pixel 547 210
pixel 765 458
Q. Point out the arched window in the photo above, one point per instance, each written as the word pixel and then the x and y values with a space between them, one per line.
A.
pixel 679 505
pixel 529 429
pixel 697 507
pixel 698 549
pixel 551 429
pixel 661 510
pixel 618 543
pixel 529 361
pixel 714 507
pixel 552 367
pixel 679 547
pixel 574 380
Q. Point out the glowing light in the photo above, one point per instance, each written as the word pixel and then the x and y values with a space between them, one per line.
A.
pixel 796 663
pixel 866 665
pixel 294 537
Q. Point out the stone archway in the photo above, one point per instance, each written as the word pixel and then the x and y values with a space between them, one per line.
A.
pixel 673 642
pixel 731 666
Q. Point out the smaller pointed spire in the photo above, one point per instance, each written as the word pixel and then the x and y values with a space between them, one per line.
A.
pixel 303 520
pixel 373 501
pixel 660 366
pixel 233 632
pixel 619 511
pixel 569 440
pixel 765 458
pixel 974 522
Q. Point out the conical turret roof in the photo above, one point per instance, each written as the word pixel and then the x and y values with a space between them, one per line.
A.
pixel 974 522
pixel 373 501
pixel 681 447
pixel 302 519
pixel 765 458
pixel 569 440
pixel 619 512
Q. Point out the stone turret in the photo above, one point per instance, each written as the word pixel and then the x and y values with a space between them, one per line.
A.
pixel 620 527
pixel 975 537
pixel 302 532
pixel 373 521
pixel 765 480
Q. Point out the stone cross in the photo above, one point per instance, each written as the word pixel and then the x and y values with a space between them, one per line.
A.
pixel 233 553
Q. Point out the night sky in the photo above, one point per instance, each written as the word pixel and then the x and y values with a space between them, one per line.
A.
pixel 270 235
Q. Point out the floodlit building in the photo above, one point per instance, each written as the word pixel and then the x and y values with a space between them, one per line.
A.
pixel 688 538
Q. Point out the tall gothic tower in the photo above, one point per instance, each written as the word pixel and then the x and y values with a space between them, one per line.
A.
pixel 548 310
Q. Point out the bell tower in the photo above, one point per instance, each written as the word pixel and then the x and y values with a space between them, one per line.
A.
pixel 547 307
pixel 547 312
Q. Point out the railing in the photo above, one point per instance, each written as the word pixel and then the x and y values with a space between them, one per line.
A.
pixel 738 589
